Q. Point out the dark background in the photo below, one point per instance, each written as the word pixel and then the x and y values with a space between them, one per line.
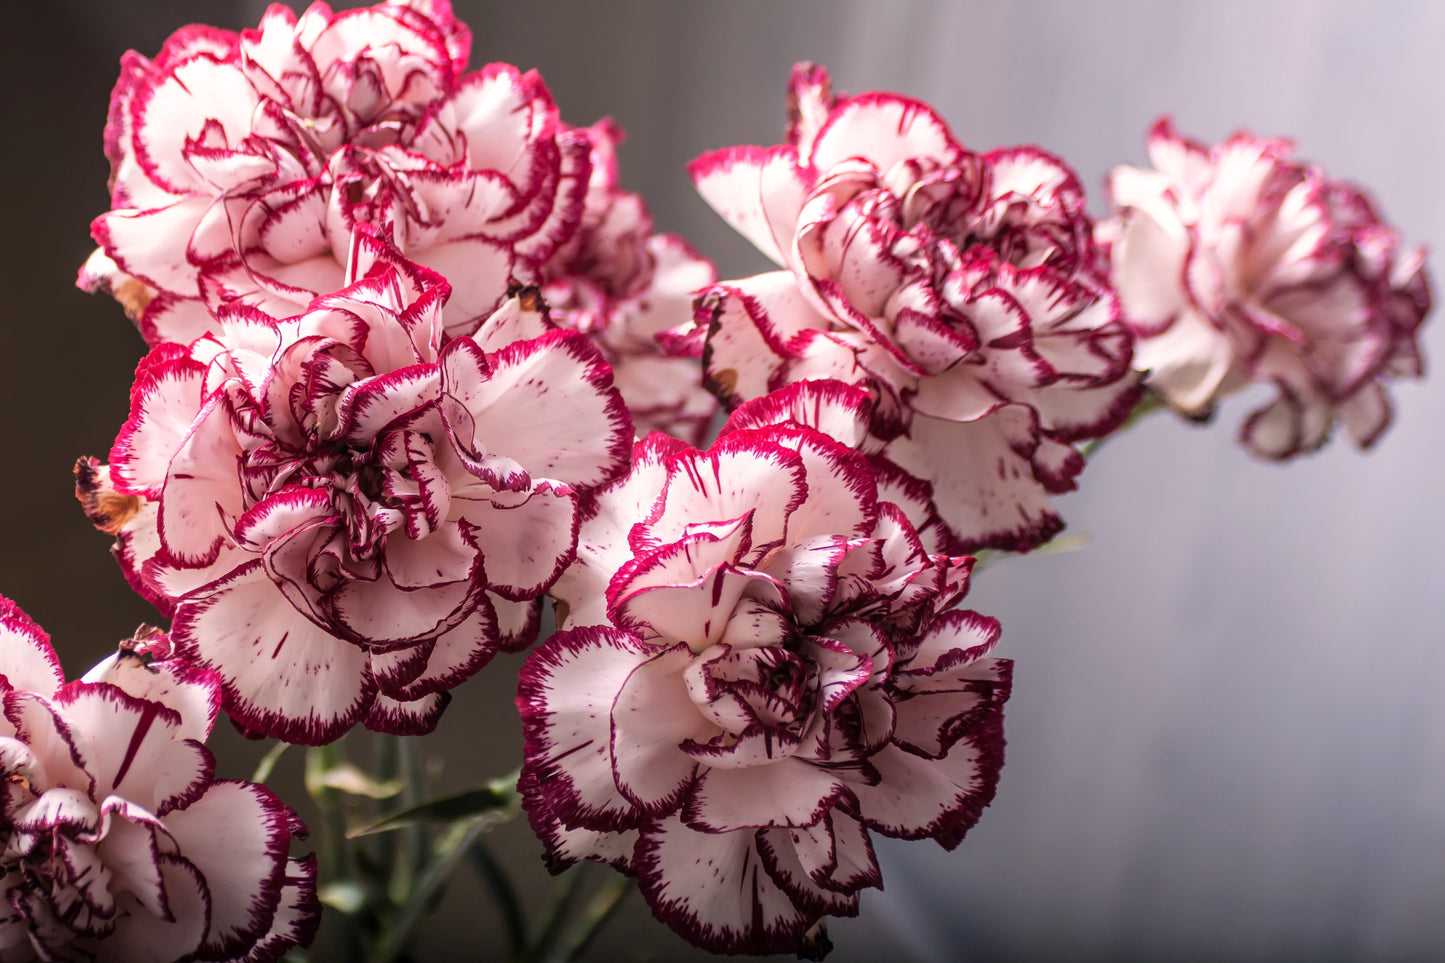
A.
pixel 1227 738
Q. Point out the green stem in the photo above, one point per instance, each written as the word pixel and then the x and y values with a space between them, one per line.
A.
pixel 320 760
pixel 557 912
pixel 386 756
pixel 335 853
pixel 495 877
pixel 386 761
pixel 449 849
pixel 601 908
pixel 413 840
pixel 985 557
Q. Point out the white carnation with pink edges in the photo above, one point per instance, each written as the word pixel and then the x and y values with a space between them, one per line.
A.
pixel 241 163
pixel 118 841
pixel 346 515
pixel 418 361
pixel 1236 264
pixel 759 669
pixel 622 285
pixel 961 289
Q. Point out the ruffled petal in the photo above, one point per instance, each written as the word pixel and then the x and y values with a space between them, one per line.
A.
pixel 238 835
pixel 565 694
pixel 280 673
pixel 787 792
pixel 999 503
pixel 193 694
pixel 27 662
pixel 883 129
pixel 760 192
pixel 547 403
pixel 134 747
pixel 714 890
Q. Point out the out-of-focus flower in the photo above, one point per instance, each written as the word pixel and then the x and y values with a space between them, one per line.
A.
pixel 242 162
pixel 346 517
pixel 1238 264
pixel 622 285
pixel 960 288
pixel 758 671
pixel 118 842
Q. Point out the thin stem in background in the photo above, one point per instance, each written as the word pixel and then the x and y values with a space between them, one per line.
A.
pixel 449 849
pixel 319 760
pixel 569 886
pixel 413 839
pixel 386 761
pixel 267 765
pixel 601 908
pixel 336 855
pixel 504 894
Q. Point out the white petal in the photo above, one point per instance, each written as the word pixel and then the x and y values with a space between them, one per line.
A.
pixel 883 129
pixel 134 747
pixel 758 191
pixel 743 472
pixel 165 401
pixel 202 486
pixel 298 913
pixel 984 488
pixel 787 792
pixel 237 835
pixel 917 797
pixel 27 662
pixel 712 888
pixel 526 538
pixel 547 403
pixel 751 326
pixel 565 693
pixel 281 674
pixel 153 939
pixel 406 717
pixel 193 694
pixel 652 716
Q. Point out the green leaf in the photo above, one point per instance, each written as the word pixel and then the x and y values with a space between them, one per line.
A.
pixel 493 803
pixel 355 782
pixel 343 896
pixel 1061 544
pixel 267 765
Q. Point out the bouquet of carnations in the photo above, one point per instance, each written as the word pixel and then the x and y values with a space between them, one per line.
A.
pixel 418 363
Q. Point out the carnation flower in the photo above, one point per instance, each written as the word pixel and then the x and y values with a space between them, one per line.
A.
pixel 119 843
pixel 242 162
pixel 346 517
pixel 1237 264
pixel 757 671
pixel 960 288
pixel 622 285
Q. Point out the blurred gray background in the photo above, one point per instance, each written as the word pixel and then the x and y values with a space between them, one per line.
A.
pixel 1227 738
